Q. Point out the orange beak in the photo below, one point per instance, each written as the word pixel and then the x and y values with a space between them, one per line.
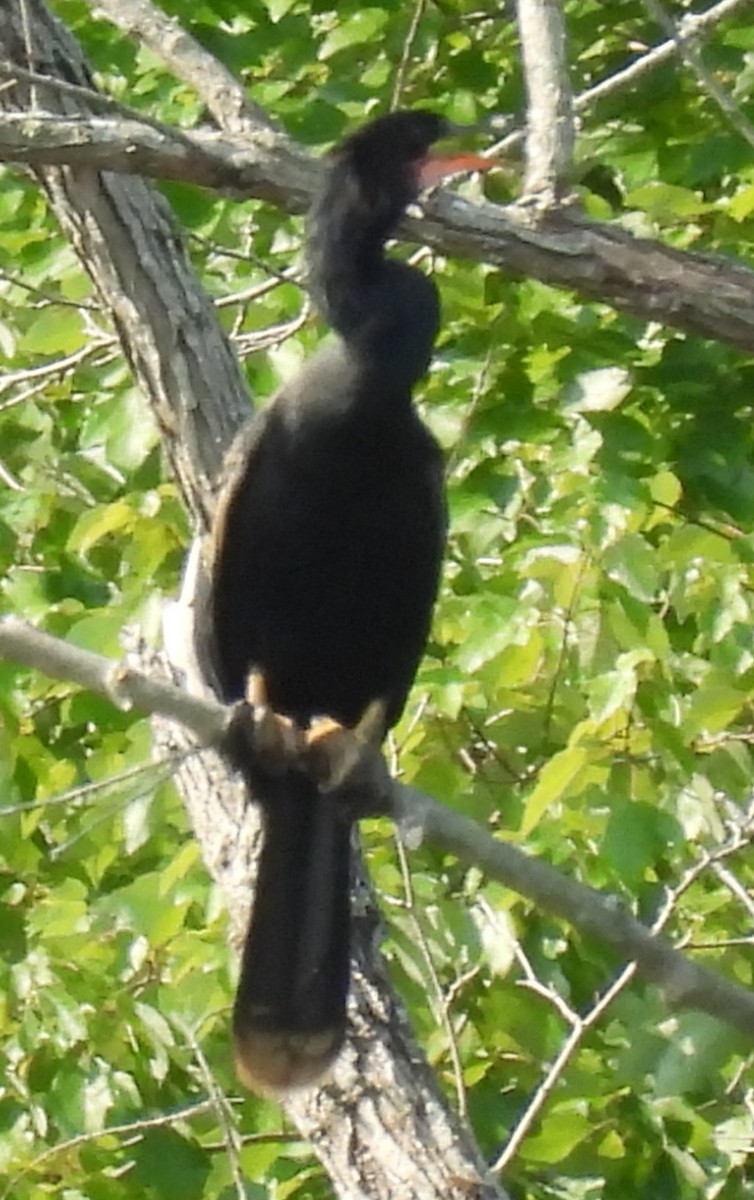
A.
pixel 439 166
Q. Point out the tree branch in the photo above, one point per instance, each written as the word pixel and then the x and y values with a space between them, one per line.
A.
pixel 549 117
pixel 21 643
pixel 268 170
pixel 700 293
pixel 693 59
pixel 691 29
pixel 223 95
pixel 685 984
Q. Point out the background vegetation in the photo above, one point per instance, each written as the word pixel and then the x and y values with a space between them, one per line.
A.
pixel 587 691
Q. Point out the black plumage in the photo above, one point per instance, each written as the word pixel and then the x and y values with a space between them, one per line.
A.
pixel 327 551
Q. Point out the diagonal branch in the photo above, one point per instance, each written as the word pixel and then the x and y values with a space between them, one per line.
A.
pixel 691 29
pixel 693 59
pixel 685 984
pixel 223 95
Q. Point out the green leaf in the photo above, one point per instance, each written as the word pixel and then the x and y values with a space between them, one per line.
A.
pixel 632 562
pixel 554 779
pixel 637 835
pixel 562 1131
pixel 357 29
pixel 98 523
pixel 668 203
pixel 712 708
pixel 615 690
pixel 54 331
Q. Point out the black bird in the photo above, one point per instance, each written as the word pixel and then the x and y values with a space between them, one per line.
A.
pixel 326 556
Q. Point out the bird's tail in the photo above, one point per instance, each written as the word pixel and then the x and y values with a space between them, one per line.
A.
pixel 289 1013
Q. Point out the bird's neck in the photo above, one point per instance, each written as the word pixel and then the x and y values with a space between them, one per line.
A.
pixel 386 312
pixel 348 227
pixel 346 258
pixel 391 326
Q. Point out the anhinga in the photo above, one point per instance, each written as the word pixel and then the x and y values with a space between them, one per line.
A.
pixel 326 555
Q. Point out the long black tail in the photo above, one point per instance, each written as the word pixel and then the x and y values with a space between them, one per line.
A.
pixel 289 1013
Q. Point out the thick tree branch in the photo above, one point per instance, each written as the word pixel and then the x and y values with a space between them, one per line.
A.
pixel 270 169
pixel 700 293
pixel 685 984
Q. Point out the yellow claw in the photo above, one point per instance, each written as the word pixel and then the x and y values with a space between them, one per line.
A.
pixel 338 756
pixel 277 740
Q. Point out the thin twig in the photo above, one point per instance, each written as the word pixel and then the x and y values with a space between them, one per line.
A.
pixel 49 298
pixel 413 29
pixel 91 99
pixel 549 1081
pixel 221 1108
pixel 158 770
pixel 57 367
pixel 693 28
pixel 130 1130
pixel 581 1024
pixel 442 1006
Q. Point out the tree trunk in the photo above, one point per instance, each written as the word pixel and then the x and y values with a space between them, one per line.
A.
pixel 381 1126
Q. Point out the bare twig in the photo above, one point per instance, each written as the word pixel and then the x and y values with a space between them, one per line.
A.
pixel 581 1024
pixel 274 335
pixel 222 1109
pixel 443 1009
pixel 400 74
pixel 691 56
pixel 735 887
pixel 131 1131
pixel 86 97
pixel 88 793
pixel 45 298
pixel 58 366
pixel 691 30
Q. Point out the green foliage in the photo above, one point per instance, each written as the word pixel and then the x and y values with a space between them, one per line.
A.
pixel 588 688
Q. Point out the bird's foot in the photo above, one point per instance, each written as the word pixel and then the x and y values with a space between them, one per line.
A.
pixel 347 762
pixel 276 740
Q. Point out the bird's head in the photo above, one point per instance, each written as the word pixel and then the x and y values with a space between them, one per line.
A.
pixel 379 170
pixel 369 180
